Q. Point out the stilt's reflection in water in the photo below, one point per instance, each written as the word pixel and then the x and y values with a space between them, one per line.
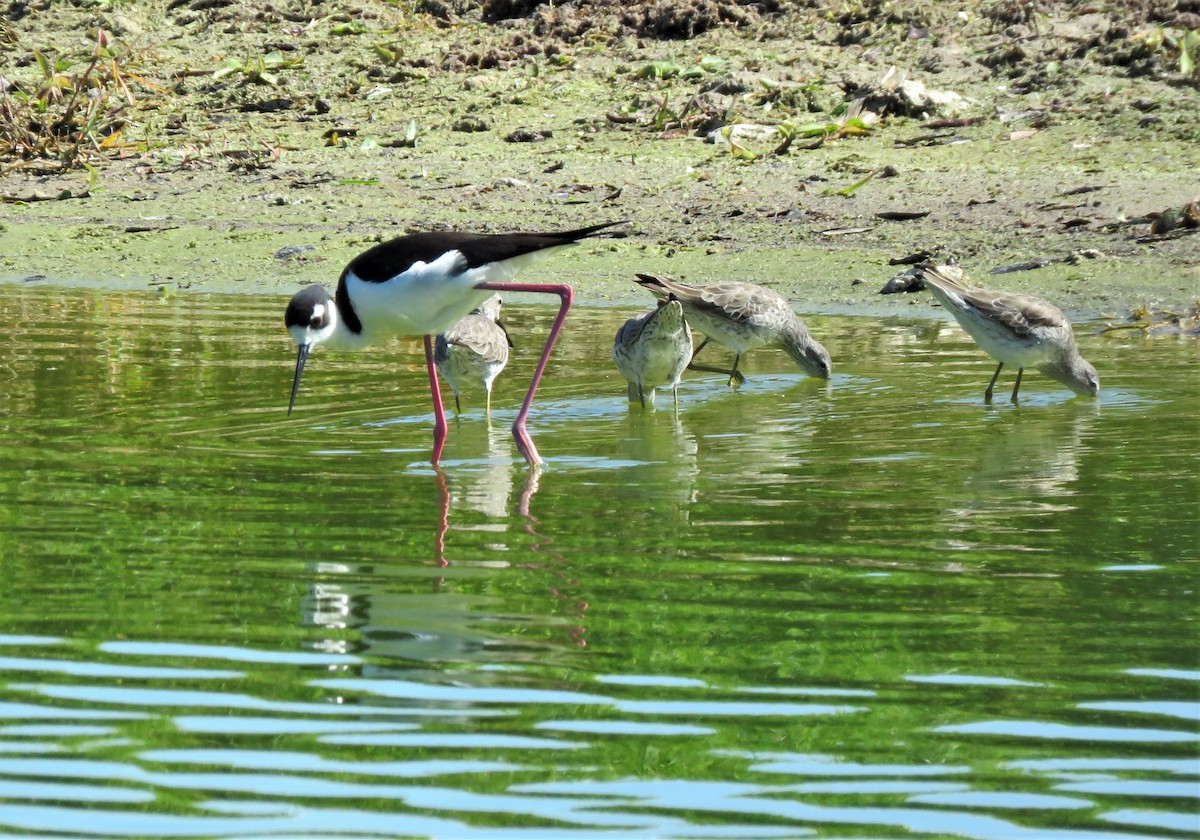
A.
pixel 446 611
pixel 566 585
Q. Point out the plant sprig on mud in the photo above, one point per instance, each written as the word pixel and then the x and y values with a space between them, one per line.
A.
pixel 261 69
pixel 69 118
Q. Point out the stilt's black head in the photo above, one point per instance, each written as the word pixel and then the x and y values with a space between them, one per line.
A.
pixel 311 317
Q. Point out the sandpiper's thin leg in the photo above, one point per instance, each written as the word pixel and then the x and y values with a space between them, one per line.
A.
pixel 734 375
pixel 641 395
pixel 565 295
pixel 987 395
pixel 487 405
pixel 457 405
pixel 439 412
pixel 1017 387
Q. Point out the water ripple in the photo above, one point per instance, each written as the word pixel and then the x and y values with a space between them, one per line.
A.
pixel 1062 731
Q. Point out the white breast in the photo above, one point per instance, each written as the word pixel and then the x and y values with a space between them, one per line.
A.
pixel 426 299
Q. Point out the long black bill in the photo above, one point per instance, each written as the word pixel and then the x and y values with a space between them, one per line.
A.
pixel 504 330
pixel 301 358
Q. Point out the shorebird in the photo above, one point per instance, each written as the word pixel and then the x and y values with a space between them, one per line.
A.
pixel 474 350
pixel 742 317
pixel 421 284
pixel 1014 329
pixel 652 350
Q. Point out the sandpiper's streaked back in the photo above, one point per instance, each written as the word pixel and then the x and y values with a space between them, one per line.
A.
pixel 421 284
pixel 652 350
pixel 1015 329
pixel 473 351
pixel 743 317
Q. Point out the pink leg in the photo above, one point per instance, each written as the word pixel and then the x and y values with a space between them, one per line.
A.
pixel 439 413
pixel 565 294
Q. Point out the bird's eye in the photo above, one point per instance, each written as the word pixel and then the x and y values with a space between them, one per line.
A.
pixel 315 322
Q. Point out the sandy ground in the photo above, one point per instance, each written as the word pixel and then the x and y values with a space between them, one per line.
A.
pixel 251 149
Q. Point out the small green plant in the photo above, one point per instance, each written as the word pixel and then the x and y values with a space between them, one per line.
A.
pixel 350 28
pixel 818 132
pixel 1182 46
pixel 262 70
pixel 670 70
pixel 1189 52
pixel 390 54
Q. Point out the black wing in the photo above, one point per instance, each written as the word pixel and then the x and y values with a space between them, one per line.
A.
pixel 387 259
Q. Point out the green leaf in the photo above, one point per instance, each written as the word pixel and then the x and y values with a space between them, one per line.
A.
pixel 1189 47
pixel 43 64
pixel 1186 63
pixel 232 65
pixel 815 129
pixel 660 70
pixel 850 190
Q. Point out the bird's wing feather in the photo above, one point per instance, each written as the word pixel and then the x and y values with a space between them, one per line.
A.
pixel 1020 313
pixel 632 329
pixel 742 301
pixel 736 301
pixel 481 335
pixel 388 259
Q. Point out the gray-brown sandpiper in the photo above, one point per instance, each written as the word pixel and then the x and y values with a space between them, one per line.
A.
pixel 742 317
pixel 1014 329
pixel 473 351
pixel 652 350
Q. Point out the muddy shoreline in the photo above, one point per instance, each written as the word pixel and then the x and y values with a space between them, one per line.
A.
pixel 230 183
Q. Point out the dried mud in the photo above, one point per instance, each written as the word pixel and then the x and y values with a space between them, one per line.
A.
pixel 1075 126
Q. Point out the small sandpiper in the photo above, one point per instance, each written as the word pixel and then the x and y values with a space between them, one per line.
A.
pixel 652 350
pixel 1014 329
pixel 474 350
pixel 743 317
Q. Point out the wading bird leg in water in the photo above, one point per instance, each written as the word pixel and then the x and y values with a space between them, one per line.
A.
pixel 565 295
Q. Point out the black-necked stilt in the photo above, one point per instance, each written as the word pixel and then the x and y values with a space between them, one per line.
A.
pixel 421 284
pixel 742 317
pixel 474 350
pixel 1014 329
pixel 652 350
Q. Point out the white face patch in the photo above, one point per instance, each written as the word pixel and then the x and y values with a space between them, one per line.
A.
pixel 319 310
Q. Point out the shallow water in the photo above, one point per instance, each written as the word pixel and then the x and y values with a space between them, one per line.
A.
pixel 875 607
